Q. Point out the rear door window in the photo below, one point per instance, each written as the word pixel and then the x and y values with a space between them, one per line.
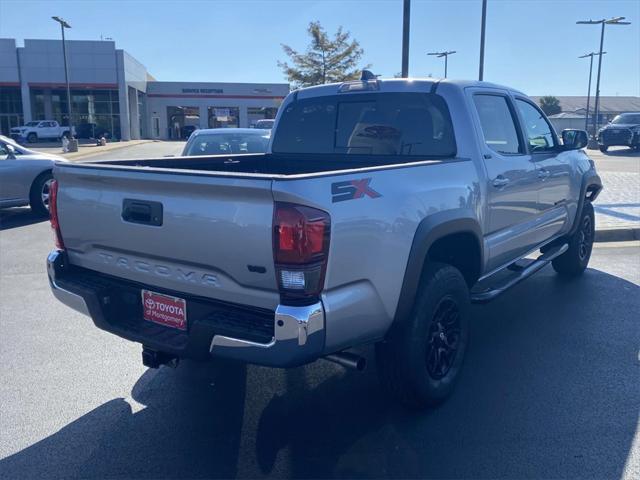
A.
pixel 381 124
pixel 498 124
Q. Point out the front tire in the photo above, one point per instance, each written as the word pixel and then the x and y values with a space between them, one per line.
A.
pixel 574 261
pixel 39 195
pixel 32 138
pixel 420 361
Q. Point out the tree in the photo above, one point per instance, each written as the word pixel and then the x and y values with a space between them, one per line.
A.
pixel 550 105
pixel 326 60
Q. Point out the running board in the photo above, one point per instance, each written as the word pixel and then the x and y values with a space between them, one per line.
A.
pixel 543 260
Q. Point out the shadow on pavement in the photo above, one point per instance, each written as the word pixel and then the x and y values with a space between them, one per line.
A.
pixel 550 389
pixel 19 217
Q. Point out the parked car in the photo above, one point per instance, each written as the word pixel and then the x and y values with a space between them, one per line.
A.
pixel 623 130
pixel 91 130
pixel 25 176
pixel 381 211
pixel 266 124
pixel 221 141
pixel 40 130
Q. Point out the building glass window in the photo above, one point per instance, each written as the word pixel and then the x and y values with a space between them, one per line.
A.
pixel 10 109
pixel 95 112
pixel 224 117
pixel 260 113
pixel 182 121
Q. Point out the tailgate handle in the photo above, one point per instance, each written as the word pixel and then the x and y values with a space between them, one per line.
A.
pixel 141 211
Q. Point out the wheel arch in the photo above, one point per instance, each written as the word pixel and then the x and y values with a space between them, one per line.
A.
pixel 432 237
pixel 48 170
pixel 589 190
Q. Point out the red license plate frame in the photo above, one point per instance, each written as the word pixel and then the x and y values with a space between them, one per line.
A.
pixel 164 309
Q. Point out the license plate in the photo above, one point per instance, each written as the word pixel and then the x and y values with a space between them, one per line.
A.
pixel 164 309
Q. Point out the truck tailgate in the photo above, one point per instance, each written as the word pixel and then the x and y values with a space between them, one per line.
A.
pixel 204 235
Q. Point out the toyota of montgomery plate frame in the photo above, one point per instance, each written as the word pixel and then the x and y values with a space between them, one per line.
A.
pixel 164 309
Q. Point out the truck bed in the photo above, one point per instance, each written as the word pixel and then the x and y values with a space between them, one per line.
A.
pixel 266 164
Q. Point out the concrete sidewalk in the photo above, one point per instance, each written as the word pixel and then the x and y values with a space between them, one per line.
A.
pixel 89 149
pixel 618 207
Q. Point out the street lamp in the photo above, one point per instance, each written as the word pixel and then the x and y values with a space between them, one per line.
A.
pixel 406 23
pixel 590 55
pixel 603 22
pixel 446 57
pixel 483 25
pixel 63 25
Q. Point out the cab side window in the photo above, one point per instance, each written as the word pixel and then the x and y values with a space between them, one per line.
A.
pixel 536 128
pixel 498 125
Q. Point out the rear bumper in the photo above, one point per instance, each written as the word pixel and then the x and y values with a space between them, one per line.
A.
pixel 286 337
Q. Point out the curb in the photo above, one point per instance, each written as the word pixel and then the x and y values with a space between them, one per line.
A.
pixel 617 234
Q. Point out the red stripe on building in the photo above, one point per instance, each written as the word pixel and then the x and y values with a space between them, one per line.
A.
pixel 188 95
pixel 9 84
pixel 97 86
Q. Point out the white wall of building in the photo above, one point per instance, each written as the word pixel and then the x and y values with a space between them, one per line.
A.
pixel 8 62
pixel 90 62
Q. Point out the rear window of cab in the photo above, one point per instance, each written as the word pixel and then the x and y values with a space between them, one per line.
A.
pixel 392 124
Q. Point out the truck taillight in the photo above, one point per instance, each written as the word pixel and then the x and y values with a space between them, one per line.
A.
pixel 300 250
pixel 53 214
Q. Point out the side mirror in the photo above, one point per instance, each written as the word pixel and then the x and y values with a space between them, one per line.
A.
pixel 574 139
pixel 11 151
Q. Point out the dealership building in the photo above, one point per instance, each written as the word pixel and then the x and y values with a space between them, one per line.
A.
pixel 112 91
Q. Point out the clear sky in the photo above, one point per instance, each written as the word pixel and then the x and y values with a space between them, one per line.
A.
pixel 531 45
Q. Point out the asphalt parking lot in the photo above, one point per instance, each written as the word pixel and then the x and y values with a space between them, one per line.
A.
pixel 550 389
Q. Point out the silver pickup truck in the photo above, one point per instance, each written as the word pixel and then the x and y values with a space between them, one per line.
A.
pixel 382 210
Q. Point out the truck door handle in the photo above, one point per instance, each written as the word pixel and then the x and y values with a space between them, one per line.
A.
pixel 141 211
pixel 543 173
pixel 500 181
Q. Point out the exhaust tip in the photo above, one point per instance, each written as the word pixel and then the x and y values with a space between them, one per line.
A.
pixel 348 360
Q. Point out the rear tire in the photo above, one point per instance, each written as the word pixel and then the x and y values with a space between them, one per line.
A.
pixel 420 361
pixel 574 261
pixel 39 194
pixel 32 138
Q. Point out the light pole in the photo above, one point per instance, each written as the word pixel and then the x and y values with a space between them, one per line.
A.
pixel 482 29
pixel 406 22
pixel 603 22
pixel 446 57
pixel 590 55
pixel 63 25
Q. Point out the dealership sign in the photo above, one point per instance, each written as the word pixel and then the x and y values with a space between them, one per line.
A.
pixel 202 90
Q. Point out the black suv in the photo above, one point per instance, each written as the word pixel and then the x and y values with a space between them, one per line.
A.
pixel 623 130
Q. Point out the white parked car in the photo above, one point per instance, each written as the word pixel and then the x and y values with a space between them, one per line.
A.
pixel 40 130
pixel 265 124
pixel 25 176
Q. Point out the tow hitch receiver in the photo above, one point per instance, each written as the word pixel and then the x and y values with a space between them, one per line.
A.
pixel 153 358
